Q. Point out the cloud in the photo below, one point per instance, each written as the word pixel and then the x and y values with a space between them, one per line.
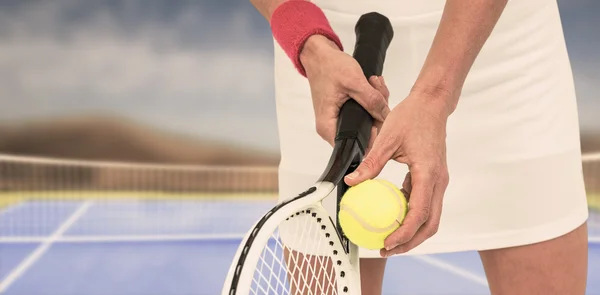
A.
pixel 202 68
pixel 195 71
pixel 112 69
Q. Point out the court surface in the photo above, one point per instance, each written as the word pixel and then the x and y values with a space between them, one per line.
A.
pixel 183 247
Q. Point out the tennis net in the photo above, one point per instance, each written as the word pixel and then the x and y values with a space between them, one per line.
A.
pixel 82 201
pixel 591 172
pixel 74 201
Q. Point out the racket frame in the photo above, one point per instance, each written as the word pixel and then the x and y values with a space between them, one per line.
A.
pixel 346 154
pixel 374 33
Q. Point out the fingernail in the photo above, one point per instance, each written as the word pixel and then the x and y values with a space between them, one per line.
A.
pixel 391 247
pixel 378 81
pixel 353 175
pixel 385 112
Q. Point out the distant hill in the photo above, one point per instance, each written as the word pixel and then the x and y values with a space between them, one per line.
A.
pixel 117 139
pixel 590 142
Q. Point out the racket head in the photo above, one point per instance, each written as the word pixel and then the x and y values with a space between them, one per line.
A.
pixel 295 248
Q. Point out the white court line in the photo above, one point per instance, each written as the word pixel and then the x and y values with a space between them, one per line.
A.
pixel 11 208
pixel 144 238
pixel 453 269
pixel 126 238
pixel 41 249
pixel 590 157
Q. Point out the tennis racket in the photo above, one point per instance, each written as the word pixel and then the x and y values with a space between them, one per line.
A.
pixel 296 248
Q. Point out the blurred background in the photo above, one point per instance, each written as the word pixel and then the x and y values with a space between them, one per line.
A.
pixel 138 141
pixel 187 74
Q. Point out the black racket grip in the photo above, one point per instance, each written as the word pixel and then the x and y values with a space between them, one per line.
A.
pixel 373 36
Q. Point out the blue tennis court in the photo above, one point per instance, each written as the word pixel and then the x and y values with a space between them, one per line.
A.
pixel 179 247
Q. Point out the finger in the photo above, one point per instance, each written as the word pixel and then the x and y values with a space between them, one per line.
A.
pixel 374 132
pixel 427 230
pixel 407 186
pixel 384 89
pixel 326 127
pixel 419 209
pixel 375 82
pixel 380 153
pixel 369 98
pixel 385 85
pixel 369 168
pixel 378 83
pixel 377 125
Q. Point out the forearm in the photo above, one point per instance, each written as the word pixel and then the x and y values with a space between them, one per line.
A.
pixel 297 25
pixel 266 7
pixel 464 28
pixel 313 44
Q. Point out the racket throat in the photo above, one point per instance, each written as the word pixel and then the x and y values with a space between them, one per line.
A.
pixel 345 154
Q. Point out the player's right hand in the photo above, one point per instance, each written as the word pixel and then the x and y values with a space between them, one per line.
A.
pixel 335 76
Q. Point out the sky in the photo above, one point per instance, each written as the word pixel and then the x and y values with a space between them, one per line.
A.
pixel 201 68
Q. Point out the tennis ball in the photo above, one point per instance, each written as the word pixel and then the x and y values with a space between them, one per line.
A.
pixel 370 211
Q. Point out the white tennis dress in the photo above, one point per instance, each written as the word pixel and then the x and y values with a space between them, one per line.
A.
pixel 513 142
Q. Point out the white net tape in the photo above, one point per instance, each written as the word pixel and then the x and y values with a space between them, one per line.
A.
pixel 136 202
pixel 129 202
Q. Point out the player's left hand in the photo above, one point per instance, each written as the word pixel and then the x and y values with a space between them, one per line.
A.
pixel 414 133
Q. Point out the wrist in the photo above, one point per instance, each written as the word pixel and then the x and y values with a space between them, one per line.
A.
pixel 315 47
pixel 440 86
pixel 441 99
pixel 298 25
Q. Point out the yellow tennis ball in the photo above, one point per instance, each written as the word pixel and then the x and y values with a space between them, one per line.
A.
pixel 370 211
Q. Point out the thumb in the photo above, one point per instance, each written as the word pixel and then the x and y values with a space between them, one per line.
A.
pixel 369 168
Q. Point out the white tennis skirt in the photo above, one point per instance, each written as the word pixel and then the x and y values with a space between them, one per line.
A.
pixel 513 142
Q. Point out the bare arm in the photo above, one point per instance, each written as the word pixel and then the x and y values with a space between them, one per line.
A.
pixel 414 132
pixel 463 30
pixel 313 45
pixel 266 7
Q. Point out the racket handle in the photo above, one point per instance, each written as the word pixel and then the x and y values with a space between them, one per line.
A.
pixel 373 36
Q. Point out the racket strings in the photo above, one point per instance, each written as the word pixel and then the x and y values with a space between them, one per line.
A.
pixel 315 271
pixel 296 260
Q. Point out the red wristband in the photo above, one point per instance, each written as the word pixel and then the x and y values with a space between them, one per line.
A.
pixel 293 22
